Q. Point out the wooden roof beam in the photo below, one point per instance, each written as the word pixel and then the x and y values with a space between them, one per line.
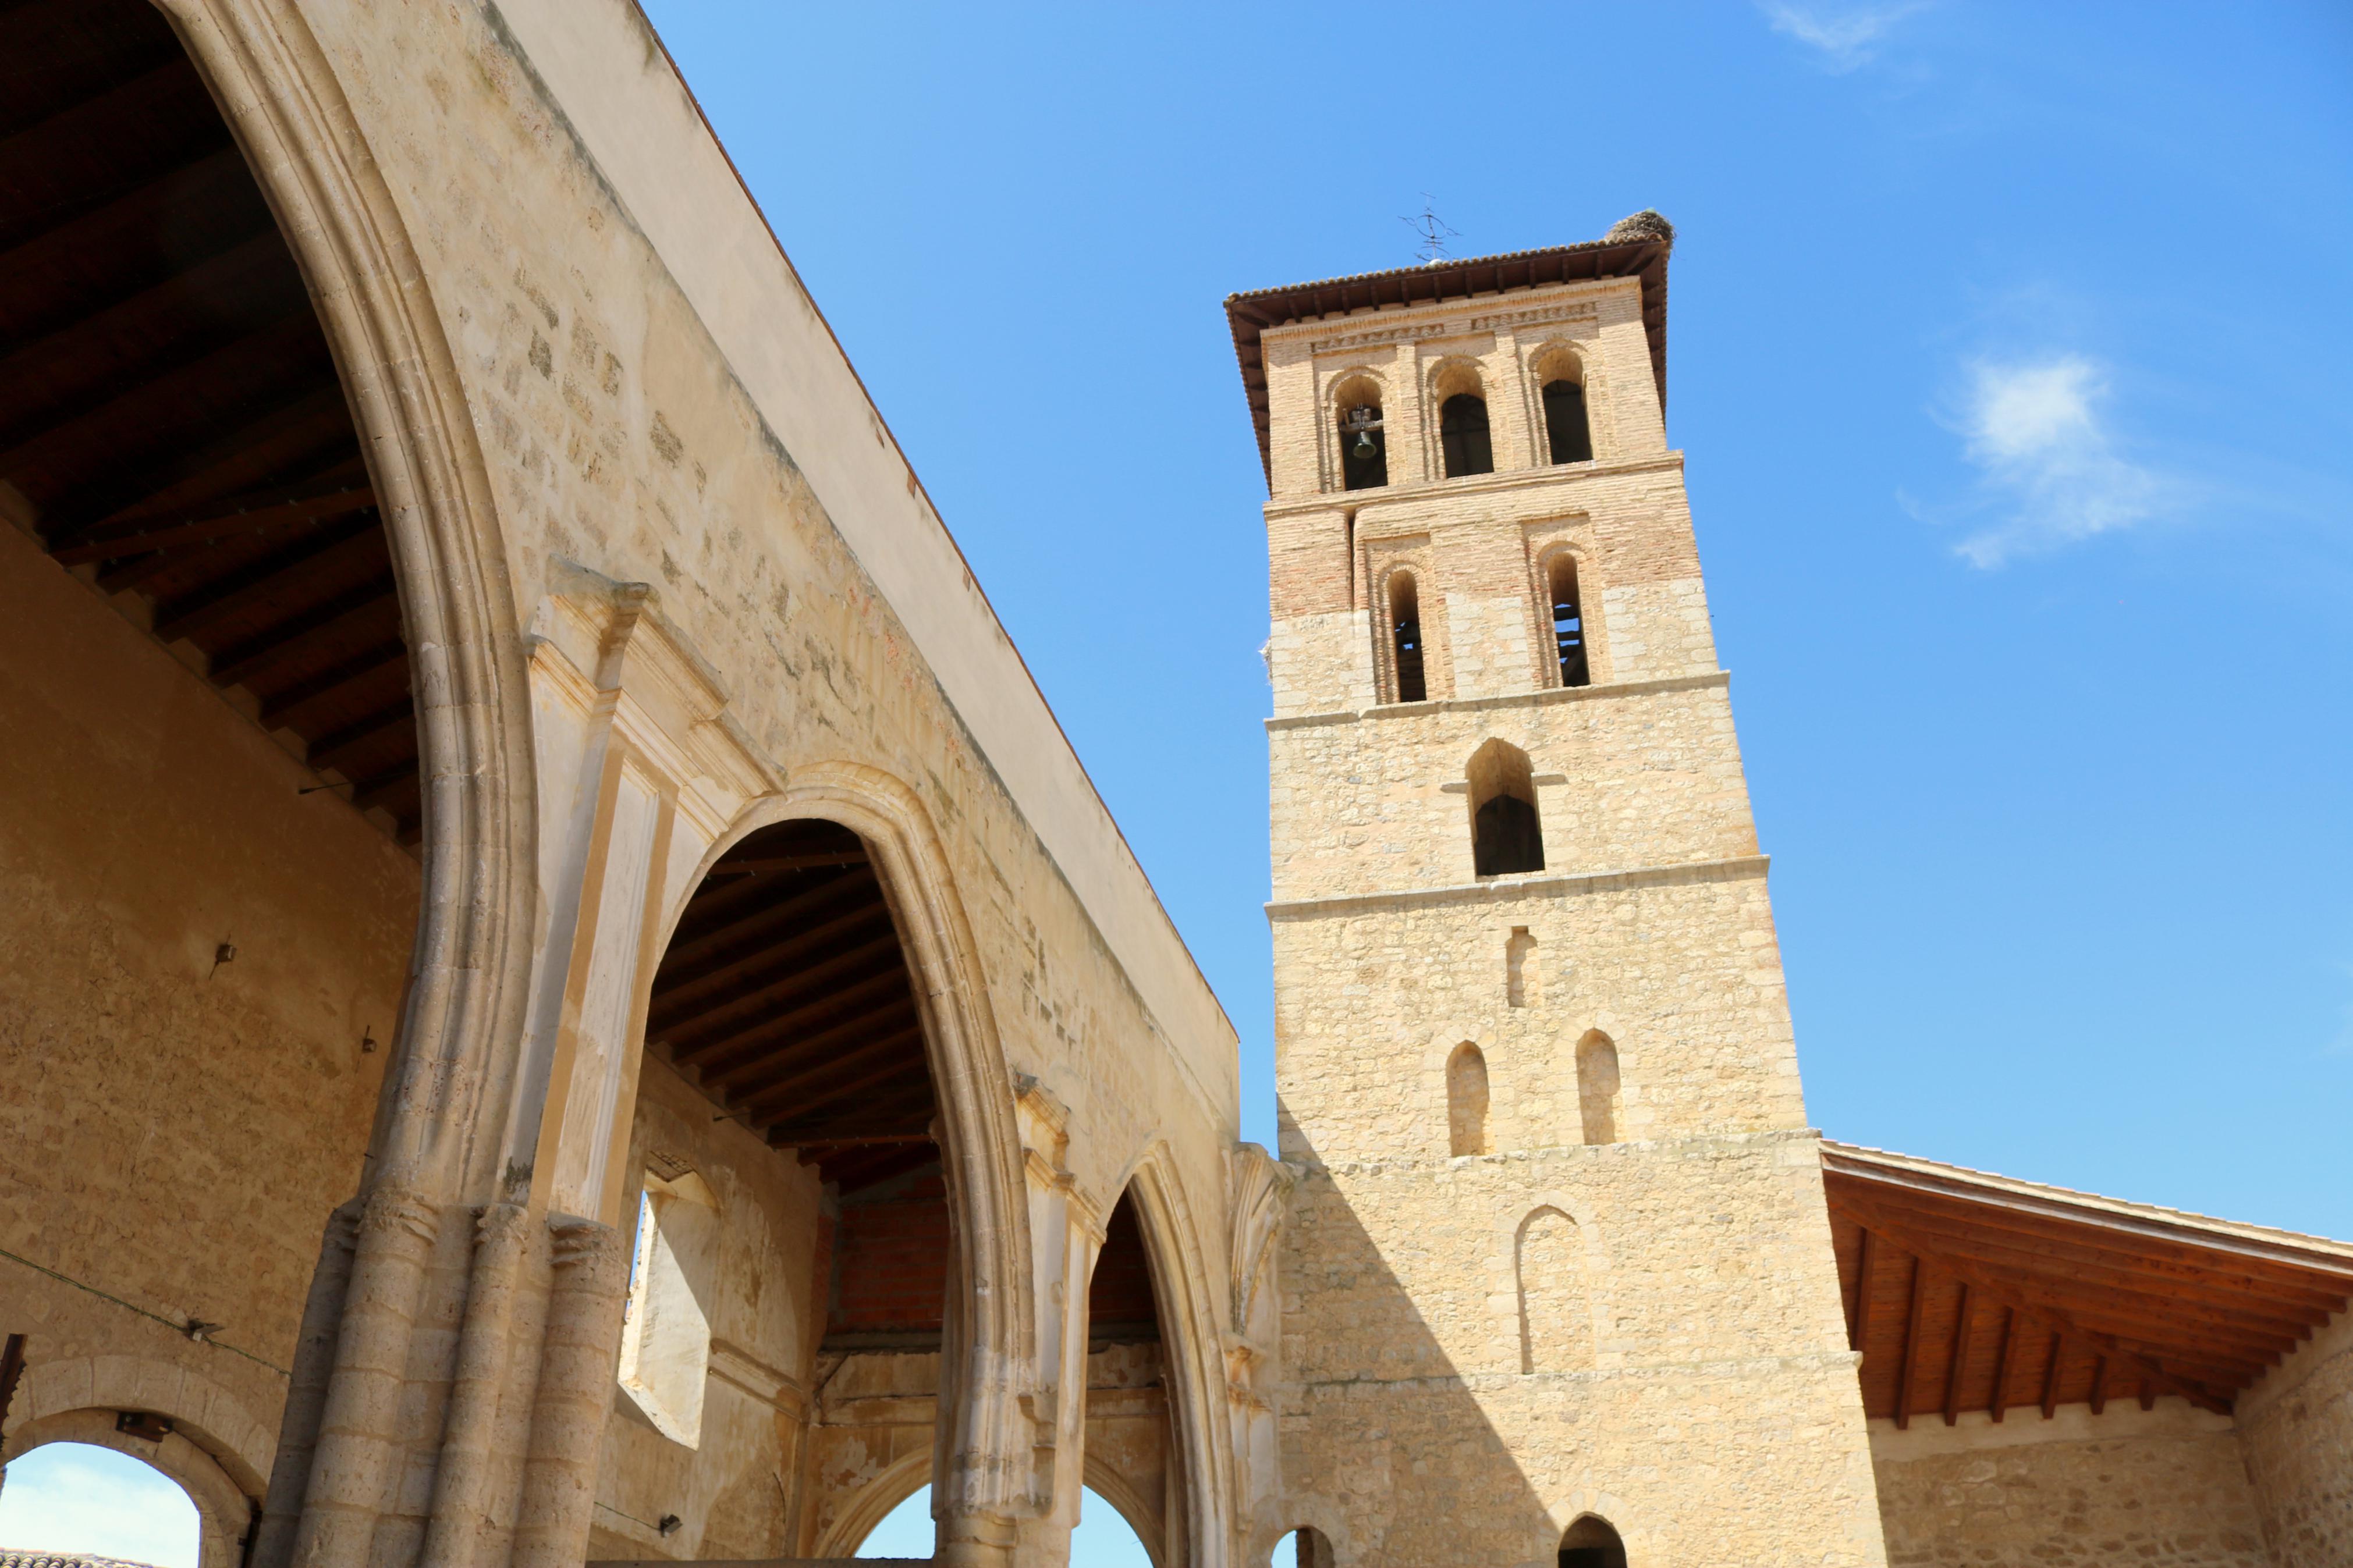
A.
pixel 1994 1290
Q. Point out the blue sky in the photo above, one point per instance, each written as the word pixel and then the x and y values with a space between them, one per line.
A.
pixel 2006 345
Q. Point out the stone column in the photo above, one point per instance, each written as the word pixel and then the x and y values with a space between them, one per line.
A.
pixel 574 1394
pixel 355 1460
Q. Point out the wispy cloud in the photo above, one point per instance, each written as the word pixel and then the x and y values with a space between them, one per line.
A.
pixel 1846 38
pixel 2045 458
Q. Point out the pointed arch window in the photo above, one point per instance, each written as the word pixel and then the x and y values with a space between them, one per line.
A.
pixel 1405 639
pixel 1598 1088
pixel 1566 616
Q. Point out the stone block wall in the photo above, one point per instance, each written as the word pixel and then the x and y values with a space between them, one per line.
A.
pixel 2296 1433
pixel 2164 1486
pixel 1625 777
pixel 203 983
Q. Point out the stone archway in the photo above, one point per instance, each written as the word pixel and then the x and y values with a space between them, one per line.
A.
pixel 215 1451
pixel 470 965
pixel 980 1456
pixel 1192 1362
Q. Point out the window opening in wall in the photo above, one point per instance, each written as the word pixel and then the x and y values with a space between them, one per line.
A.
pixel 665 1331
pixel 1364 448
pixel 1520 979
pixel 1405 627
pixel 1505 836
pixel 1462 433
pixel 1567 622
pixel 1598 1088
pixel 1466 1101
pixel 1591 1543
pixel 1567 429
pixel 1309 1549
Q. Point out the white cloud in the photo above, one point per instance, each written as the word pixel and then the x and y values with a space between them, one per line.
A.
pixel 77 1496
pixel 1847 38
pixel 2033 429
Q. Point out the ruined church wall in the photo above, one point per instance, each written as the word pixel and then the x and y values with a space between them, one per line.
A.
pixel 2295 1432
pixel 2128 1486
pixel 175 1130
pixel 657 402
pixel 623 436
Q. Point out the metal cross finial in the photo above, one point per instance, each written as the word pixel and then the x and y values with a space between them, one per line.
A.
pixel 1434 233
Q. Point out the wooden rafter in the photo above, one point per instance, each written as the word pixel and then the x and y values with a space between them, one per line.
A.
pixel 2064 1327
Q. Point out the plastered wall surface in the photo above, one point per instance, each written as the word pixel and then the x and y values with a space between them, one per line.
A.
pixel 2163 1486
pixel 175 1127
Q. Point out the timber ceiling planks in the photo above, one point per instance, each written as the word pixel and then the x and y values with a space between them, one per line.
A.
pixel 1965 1292
pixel 171 425
pixel 784 996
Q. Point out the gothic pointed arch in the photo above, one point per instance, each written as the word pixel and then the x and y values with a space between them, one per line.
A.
pixel 1187 1305
pixel 470 965
pixel 987 1353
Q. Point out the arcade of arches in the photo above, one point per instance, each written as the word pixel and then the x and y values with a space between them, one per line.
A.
pixel 568 1002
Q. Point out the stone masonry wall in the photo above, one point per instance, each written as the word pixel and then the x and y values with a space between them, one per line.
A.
pixel 2164 1487
pixel 1626 778
pixel 174 1128
pixel 1681 977
pixel 2295 1432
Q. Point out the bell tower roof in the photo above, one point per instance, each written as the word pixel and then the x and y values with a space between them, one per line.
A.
pixel 1635 246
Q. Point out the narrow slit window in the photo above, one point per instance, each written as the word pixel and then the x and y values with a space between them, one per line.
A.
pixel 1462 432
pixel 1404 630
pixel 1466 1101
pixel 1567 622
pixel 1567 427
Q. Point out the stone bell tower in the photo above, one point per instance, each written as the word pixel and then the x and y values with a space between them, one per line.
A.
pixel 1557 1283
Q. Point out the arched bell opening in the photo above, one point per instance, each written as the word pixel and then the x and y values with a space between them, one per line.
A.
pixel 1408 666
pixel 1568 425
pixel 1363 434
